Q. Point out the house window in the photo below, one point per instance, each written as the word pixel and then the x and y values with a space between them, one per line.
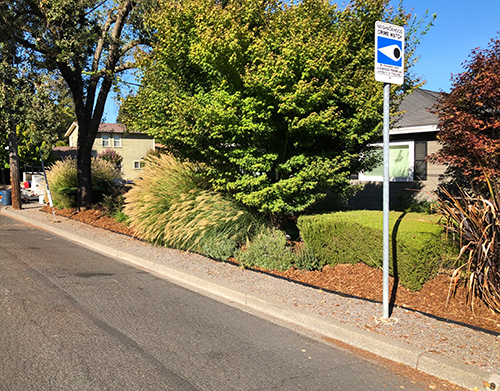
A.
pixel 117 140
pixel 401 163
pixel 138 164
pixel 105 140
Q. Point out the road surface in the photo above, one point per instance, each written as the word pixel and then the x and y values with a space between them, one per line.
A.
pixel 71 319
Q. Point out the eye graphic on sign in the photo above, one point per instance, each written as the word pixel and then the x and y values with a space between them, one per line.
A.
pixel 392 51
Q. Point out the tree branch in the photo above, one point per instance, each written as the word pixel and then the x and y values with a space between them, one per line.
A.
pixel 100 44
pixel 125 66
pixel 133 44
pixel 113 56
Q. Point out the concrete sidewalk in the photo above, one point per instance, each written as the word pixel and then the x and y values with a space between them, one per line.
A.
pixel 466 356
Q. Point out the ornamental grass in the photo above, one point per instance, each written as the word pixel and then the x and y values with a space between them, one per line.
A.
pixel 173 205
pixel 475 221
pixel 63 180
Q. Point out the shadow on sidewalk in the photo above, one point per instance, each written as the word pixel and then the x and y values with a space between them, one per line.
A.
pixel 395 273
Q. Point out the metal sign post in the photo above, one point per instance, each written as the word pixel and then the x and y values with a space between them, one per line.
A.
pixel 385 265
pixel 389 69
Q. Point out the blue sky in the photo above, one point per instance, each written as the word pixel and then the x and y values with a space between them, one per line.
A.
pixel 460 26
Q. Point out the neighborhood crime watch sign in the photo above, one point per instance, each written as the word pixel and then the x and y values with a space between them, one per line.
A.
pixel 389 53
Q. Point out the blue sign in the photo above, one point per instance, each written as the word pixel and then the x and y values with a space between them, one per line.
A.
pixel 390 51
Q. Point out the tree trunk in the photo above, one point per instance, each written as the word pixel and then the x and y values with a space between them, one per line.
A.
pixel 83 167
pixel 14 167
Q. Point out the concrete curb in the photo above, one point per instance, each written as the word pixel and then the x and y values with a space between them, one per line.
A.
pixel 433 364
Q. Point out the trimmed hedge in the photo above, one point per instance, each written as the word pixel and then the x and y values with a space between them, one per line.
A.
pixel 416 242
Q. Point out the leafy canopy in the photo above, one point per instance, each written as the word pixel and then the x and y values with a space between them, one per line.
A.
pixel 88 42
pixel 277 98
pixel 48 111
pixel 34 104
pixel 470 116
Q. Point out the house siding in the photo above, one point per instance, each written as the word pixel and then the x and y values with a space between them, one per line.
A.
pixel 134 147
pixel 401 194
pixel 417 123
pixel 434 170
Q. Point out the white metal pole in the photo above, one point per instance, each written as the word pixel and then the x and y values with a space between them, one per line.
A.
pixel 385 268
pixel 47 185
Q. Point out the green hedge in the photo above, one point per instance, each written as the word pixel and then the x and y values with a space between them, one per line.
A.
pixel 416 240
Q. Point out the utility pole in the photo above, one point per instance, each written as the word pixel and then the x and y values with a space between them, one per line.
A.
pixel 10 54
pixel 14 165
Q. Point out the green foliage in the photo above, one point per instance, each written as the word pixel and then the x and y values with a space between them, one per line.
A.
pixel 121 217
pixel 35 104
pixel 417 244
pixel 336 239
pixel 113 203
pixel 87 42
pixel 49 112
pixel 62 178
pixel 278 99
pixel 475 221
pixel 269 250
pixel 41 122
pixel 172 205
pixel 426 207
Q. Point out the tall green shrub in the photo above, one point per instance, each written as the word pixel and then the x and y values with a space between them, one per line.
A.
pixel 417 248
pixel 63 181
pixel 277 97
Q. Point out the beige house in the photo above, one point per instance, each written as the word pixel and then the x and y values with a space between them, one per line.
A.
pixel 412 139
pixel 132 146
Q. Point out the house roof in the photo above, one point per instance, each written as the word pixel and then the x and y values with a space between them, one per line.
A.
pixel 65 152
pixel 113 128
pixel 415 108
pixel 103 128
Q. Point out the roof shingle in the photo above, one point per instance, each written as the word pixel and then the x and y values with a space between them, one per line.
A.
pixel 416 108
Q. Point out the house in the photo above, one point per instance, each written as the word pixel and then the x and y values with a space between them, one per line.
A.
pixel 412 139
pixel 132 146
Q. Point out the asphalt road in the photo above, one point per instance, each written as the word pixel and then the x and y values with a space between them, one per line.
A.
pixel 71 319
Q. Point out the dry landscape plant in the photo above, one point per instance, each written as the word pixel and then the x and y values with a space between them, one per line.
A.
pixel 476 221
pixel 172 205
pixel 63 180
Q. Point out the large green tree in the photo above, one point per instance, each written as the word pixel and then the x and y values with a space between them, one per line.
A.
pixel 277 98
pixel 34 111
pixel 12 94
pixel 88 42
pixel 49 110
pixel 40 108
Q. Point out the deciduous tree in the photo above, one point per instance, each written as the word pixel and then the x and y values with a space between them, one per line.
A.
pixel 277 98
pixel 33 114
pixel 48 111
pixel 469 127
pixel 13 94
pixel 88 42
